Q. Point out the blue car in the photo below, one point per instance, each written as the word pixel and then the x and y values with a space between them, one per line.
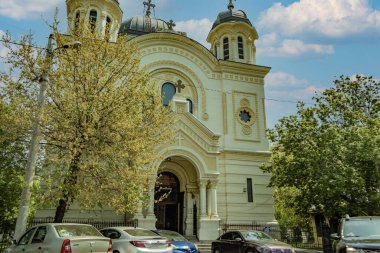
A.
pixel 179 243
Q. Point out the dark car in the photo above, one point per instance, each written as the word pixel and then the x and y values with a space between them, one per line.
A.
pixel 179 243
pixel 249 241
pixel 357 235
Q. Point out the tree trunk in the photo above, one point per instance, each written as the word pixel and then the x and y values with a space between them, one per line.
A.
pixel 60 211
pixel 69 196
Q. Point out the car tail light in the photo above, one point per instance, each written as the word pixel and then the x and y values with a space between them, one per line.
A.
pixel 138 244
pixel 66 247
pixel 109 246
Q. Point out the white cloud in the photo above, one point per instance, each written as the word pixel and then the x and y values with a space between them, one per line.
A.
pixel 23 9
pixel 270 45
pixel 326 18
pixel 195 29
pixel 286 87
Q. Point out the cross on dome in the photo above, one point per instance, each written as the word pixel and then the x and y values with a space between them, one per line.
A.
pixel 231 5
pixel 148 6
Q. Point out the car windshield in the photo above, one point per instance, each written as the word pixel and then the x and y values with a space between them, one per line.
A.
pixel 139 232
pixel 255 235
pixel 362 228
pixel 172 236
pixel 76 230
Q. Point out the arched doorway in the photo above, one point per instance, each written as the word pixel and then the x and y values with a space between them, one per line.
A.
pixel 168 206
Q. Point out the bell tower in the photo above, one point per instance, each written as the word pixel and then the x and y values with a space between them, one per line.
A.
pixel 103 16
pixel 233 36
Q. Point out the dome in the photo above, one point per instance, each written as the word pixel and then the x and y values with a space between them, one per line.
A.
pixel 231 15
pixel 140 25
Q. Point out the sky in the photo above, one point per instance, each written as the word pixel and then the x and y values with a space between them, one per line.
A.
pixel 307 43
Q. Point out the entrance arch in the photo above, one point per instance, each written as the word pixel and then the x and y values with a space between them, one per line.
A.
pixel 169 202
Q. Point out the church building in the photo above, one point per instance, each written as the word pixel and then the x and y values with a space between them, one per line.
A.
pixel 217 94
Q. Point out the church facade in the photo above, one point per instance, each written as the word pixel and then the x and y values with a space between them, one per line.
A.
pixel 217 94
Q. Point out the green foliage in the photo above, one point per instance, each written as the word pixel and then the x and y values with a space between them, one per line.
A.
pixel 329 153
pixel 101 124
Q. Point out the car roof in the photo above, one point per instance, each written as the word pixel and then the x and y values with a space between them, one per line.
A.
pixel 362 218
pixel 123 228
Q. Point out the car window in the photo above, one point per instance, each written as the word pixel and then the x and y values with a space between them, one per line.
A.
pixel 139 232
pixel 227 236
pixel 172 236
pixel 356 228
pixel 69 230
pixel 26 237
pixel 40 234
pixel 255 235
pixel 110 233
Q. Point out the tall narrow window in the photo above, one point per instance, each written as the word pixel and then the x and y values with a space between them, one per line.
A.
pixel 92 19
pixel 77 20
pixel 240 47
pixel 190 105
pixel 249 190
pixel 168 92
pixel 226 50
pixel 216 51
pixel 108 29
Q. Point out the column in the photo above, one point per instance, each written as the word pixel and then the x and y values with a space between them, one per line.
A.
pixel 202 196
pixel 208 197
pixel 214 199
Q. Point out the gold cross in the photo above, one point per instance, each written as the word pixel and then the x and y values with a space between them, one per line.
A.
pixel 179 85
pixel 149 4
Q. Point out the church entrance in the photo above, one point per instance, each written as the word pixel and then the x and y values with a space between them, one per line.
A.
pixel 168 206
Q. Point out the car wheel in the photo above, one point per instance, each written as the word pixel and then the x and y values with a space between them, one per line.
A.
pixel 217 250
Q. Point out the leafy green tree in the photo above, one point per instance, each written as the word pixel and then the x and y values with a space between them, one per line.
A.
pixel 328 154
pixel 101 124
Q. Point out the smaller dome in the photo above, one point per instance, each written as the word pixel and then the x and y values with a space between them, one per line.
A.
pixel 140 25
pixel 231 15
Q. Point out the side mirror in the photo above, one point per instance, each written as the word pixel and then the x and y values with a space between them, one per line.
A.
pixel 238 239
pixel 335 236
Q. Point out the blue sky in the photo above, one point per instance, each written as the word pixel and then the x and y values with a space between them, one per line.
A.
pixel 308 43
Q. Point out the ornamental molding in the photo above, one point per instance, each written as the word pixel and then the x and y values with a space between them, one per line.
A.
pixel 154 66
pixel 189 127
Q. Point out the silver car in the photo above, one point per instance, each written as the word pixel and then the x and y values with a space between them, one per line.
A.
pixel 62 238
pixel 136 240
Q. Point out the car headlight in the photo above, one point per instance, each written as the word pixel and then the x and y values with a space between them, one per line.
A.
pixel 354 250
pixel 264 249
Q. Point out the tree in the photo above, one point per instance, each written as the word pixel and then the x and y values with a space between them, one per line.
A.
pixel 102 121
pixel 328 154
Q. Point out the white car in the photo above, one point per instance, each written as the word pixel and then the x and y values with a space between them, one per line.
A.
pixel 62 238
pixel 136 240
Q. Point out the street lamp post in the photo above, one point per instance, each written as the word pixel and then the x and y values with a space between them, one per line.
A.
pixel 23 210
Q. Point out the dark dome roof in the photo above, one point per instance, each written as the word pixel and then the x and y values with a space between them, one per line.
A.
pixel 140 25
pixel 231 15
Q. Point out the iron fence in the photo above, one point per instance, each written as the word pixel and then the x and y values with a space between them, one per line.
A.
pixel 295 236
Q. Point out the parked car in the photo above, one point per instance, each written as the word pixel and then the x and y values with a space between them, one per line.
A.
pixel 179 243
pixel 357 235
pixel 63 238
pixel 136 240
pixel 249 241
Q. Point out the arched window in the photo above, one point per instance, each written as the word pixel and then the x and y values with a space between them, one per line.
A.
pixel 92 19
pixel 240 47
pixel 226 50
pixel 168 91
pixel 190 105
pixel 108 28
pixel 77 20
